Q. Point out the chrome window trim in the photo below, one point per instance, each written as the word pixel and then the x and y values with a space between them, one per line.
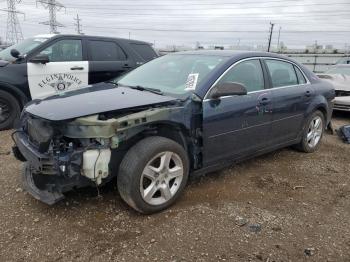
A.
pixel 206 98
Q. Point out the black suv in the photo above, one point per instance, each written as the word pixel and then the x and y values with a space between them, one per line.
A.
pixel 46 65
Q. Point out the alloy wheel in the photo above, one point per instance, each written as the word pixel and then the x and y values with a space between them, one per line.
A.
pixel 315 130
pixel 161 178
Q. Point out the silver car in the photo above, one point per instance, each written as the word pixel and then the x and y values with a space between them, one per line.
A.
pixel 339 76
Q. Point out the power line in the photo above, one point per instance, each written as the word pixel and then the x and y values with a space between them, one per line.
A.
pixel 211 8
pixel 161 7
pixel 53 7
pixel 13 30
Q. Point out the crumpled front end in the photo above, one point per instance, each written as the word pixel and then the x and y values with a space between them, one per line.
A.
pixel 64 155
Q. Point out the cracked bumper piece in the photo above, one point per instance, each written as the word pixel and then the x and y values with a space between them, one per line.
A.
pixel 42 195
pixel 43 176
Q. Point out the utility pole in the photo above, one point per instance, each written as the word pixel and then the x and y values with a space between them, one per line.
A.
pixel 78 25
pixel 13 30
pixel 53 6
pixel 270 37
pixel 278 41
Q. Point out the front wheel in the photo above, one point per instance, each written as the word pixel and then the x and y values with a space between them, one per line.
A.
pixel 312 133
pixel 9 110
pixel 153 174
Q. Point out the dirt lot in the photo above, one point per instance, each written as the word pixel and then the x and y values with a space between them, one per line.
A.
pixel 284 206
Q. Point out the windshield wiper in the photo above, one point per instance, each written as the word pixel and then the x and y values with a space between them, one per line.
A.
pixel 149 89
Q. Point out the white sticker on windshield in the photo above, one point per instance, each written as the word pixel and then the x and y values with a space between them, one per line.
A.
pixel 191 82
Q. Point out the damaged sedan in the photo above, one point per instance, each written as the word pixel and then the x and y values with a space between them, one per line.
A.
pixel 184 113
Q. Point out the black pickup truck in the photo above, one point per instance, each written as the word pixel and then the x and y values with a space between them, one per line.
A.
pixel 46 65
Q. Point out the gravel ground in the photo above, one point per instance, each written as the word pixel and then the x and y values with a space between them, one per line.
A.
pixel 284 206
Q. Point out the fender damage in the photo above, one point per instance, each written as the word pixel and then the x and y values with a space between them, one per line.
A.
pixel 86 151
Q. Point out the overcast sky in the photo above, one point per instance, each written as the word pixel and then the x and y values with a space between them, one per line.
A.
pixel 224 22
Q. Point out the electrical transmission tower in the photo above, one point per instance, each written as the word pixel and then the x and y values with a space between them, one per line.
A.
pixel 78 25
pixel 13 31
pixel 53 6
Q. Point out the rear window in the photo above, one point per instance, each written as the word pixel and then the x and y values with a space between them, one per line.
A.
pixel 145 51
pixel 106 51
pixel 281 73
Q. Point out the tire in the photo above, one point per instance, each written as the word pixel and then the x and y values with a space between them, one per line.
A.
pixel 306 145
pixel 141 171
pixel 10 110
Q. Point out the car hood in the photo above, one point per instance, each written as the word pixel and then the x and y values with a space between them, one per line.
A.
pixel 92 100
pixel 340 81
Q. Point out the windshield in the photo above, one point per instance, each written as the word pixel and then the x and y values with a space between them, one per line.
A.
pixel 176 75
pixel 23 47
pixel 344 70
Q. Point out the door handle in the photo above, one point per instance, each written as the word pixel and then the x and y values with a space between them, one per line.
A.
pixel 77 68
pixel 264 101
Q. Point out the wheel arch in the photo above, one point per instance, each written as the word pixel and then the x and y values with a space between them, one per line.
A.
pixel 320 103
pixel 171 130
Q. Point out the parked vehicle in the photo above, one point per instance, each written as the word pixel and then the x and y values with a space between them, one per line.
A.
pixel 339 76
pixel 46 65
pixel 190 112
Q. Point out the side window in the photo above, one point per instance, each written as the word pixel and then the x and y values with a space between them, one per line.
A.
pixel 282 73
pixel 249 73
pixel 106 51
pixel 145 51
pixel 64 51
pixel 301 78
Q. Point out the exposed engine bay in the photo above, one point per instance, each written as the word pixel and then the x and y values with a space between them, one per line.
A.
pixel 63 155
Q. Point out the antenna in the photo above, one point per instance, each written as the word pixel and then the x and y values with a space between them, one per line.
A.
pixel 53 6
pixel 13 30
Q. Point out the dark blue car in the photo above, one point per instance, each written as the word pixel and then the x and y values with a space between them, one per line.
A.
pixel 180 114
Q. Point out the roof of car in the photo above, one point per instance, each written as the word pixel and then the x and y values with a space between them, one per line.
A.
pixel 103 37
pixel 233 53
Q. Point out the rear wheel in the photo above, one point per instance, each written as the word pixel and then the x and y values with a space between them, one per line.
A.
pixel 153 174
pixel 312 133
pixel 9 110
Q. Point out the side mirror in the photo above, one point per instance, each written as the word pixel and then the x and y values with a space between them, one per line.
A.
pixel 228 89
pixel 15 53
pixel 40 59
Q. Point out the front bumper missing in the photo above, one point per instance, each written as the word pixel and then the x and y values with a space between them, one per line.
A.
pixel 24 151
pixel 41 176
pixel 29 185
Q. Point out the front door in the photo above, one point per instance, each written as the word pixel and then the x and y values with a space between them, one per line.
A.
pixel 65 70
pixel 235 126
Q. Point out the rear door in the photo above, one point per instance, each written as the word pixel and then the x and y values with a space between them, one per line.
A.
pixel 235 126
pixel 107 60
pixel 67 69
pixel 291 96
